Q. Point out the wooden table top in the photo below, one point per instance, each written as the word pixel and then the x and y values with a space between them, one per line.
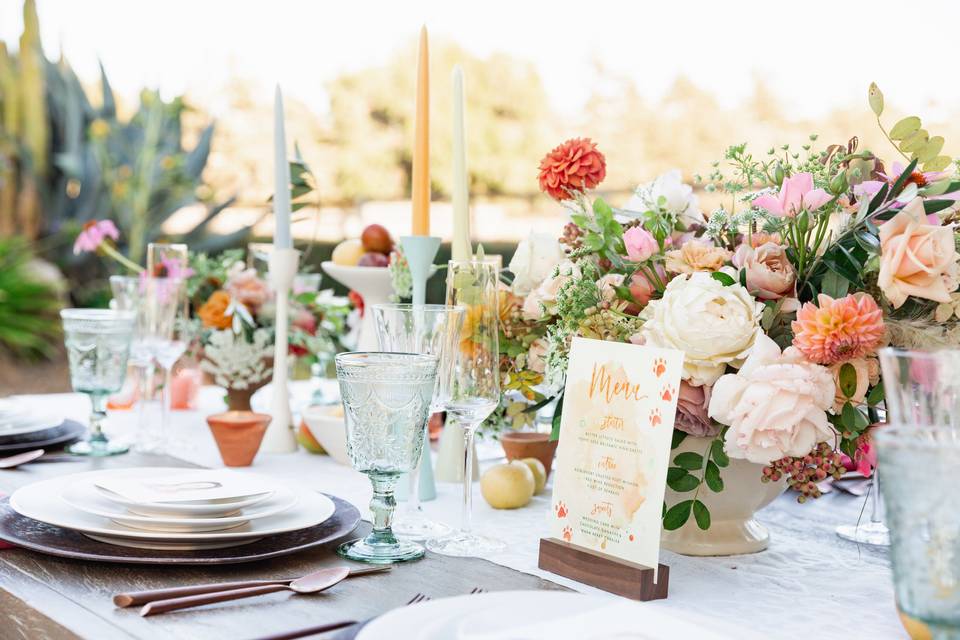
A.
pixel 47 597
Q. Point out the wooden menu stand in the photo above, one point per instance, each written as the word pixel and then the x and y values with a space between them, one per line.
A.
pixel 621 577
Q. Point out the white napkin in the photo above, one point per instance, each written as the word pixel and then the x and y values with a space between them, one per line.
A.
pixel 618 620
pixel 189 486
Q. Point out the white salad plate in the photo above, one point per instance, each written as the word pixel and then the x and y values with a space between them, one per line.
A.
pixel 43 501
pixel 28 422
pixel 87 498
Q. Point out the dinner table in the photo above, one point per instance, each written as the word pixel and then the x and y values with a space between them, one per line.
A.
pixel 808 581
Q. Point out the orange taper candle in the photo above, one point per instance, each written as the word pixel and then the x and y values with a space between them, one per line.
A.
pixel 421 143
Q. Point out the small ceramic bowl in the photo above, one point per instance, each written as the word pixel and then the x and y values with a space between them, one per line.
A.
pixel 326 424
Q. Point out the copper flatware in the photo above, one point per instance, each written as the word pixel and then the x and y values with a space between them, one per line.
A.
pixel 310 583
pixel 11 462
pixel 309 631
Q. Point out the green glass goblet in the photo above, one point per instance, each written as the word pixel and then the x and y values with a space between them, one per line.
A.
pixel 386 400
pixel 98 345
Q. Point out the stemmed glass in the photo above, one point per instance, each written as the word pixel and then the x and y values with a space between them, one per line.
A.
pixel 128 296
pixel 474 386
pixel 98 345
pixel 433 329
pixel 161 307
pixel 386 401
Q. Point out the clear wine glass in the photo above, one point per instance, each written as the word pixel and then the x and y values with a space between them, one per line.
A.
pixel 386 401
pixel 474 384
pixel 98 345
pixel 433 329
pixel 162 306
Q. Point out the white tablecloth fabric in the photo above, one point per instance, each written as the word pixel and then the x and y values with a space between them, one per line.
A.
pixel 808 581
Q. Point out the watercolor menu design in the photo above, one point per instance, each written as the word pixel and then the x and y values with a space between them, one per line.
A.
pixel 617 426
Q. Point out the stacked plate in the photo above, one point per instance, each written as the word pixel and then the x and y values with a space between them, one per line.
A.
pixel 172 509
pixel 23 428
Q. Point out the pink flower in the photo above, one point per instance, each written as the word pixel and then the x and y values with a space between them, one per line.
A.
pixel 796 194
pixel 536 356
pixel 171 267
pixel 640 244
pixel 864 458
pixel 838 329
pixel 769 273
pixel 692 405
pixel 246 287
pixel 642 289
pixel 305 321
pixel 93 234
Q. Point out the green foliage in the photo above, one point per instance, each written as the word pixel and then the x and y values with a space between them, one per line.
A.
pixel 910 138
pixel 29 304
pixel 690 471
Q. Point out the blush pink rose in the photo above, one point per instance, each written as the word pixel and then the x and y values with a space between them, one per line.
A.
pixel 536 356
pixel 607 283
pixel 640 244
pixel 916 258
pixel 246 286
pixel 769 273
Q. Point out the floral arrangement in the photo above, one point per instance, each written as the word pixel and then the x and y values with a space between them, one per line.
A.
pixel 779 299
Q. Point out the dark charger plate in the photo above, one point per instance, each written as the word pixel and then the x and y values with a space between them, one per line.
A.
pixel 63 434
pixel 34 535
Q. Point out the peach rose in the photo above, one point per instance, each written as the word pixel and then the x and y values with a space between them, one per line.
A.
pixel 696 255
pixel 769 274
pixel 916 258
pixel 776 405
pixel 541 300
pixel 246 286
pixel 536 356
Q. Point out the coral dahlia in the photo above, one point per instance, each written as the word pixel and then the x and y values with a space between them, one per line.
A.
pixel 575 165
pixel 836 330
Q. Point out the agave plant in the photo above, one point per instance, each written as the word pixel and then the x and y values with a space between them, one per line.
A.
pixel 29 303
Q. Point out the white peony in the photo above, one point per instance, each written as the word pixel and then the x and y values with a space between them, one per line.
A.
pixel 776 405
pixel 678 198
pixel 714 325
pixel 533 261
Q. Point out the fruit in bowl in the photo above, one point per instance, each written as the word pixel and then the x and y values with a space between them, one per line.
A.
pixel 508 486
pixel 372 249
pixel 325 424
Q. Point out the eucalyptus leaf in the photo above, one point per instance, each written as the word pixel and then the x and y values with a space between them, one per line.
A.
pixel 677 515
pixel 875 98
pixel 689 460
pixel 915 141
pixel 930 150
pixel 937 164
pixel 905 128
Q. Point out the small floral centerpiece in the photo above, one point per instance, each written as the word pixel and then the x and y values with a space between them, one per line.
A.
pixel 779 299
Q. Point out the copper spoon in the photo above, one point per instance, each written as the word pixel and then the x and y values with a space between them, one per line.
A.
pixel 21 458
pixel 310 583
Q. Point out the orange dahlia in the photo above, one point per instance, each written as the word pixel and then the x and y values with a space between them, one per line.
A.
pixel 575 165
pixel 836 330
pixel 213 312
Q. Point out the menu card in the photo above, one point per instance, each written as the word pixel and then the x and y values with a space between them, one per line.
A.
pixel 615 434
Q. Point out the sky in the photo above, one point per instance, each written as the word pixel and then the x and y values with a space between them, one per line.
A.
pixel 816 55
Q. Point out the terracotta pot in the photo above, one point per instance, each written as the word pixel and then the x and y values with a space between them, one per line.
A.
pixel 238 435
pixel 239 399
pixel 525 444
pixel 733 529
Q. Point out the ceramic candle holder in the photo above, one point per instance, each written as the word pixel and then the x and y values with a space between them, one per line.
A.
pixel 238 435
pixel 374 286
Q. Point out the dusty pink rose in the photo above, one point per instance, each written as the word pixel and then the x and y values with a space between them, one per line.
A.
pixel 796 194
pixel 246 287
pixel 93 234
pixel 769 274
pixel 776 405
pixel 536 355
pixel 642 289
pixel 640 244
pixel 916 258
pixel 692 414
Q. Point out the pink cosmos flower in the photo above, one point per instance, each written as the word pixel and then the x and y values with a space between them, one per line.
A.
pixel 640 244
pixel 93 234
pixel 869 188
pixel 796 194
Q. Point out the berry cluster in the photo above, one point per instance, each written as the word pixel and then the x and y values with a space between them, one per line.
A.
pixel 803 473
pixel 571 236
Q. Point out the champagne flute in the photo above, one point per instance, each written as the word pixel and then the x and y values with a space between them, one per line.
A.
pixel 474 377
pixel 432 329
pixel 163 336
pixel 98 345
pixel 386 402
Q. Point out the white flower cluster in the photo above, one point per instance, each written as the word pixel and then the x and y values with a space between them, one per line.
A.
pixel 235 363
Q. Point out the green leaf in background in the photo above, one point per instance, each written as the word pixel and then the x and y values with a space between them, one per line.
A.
pixel 852 419
pixel 712 477
pixel 938 164
pixel 555 424
pixel 718 454
pixel 677 515
pixel 848 379
pixel 678 437
pixel 689 460
pixel 875 396
pixel 702 515
pixel 834 285
pixel 723 278
pixel 875 98
pixel 684 483
pixel 905 128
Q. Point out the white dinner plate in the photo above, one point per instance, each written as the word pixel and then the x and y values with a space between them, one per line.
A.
pixel 42 501
pixel 531 615
pixel 28 423
pixel 158 545
pixel 87 498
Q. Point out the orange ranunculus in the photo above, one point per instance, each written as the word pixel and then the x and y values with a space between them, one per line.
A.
pixel 213 311
pixel 575 165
